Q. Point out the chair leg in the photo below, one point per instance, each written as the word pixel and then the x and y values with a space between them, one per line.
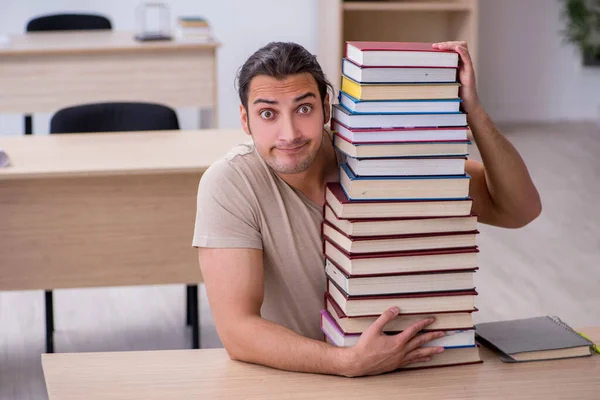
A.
pixel 188 313
pixel 193 314
pixel 48 301
pixel 28 125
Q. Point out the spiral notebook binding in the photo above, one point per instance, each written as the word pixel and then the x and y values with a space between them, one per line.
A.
pixel 562 324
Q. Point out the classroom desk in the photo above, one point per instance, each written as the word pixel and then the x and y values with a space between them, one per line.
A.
pixel 210 374
pixel 103 209
pixel 46 71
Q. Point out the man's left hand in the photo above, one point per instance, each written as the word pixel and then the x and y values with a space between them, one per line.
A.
pixel 466 73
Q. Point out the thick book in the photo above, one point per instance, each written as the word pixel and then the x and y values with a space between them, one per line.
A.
pixel 401 261
pixel 355 306
pixel 453 338
pixel 399 226
pixel 533 339
pixel 399 91
pixel 443 321
pixel 400 54
pixel 434 106
pixel 396 243
pixel 399 135
pixel 407 166
pixel 378 74
pixel 407 149
pixel 343 207
pixel 402 187
pixel 400 283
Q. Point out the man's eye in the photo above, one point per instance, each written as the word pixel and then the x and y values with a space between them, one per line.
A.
pixel 305 109
pixel 267 114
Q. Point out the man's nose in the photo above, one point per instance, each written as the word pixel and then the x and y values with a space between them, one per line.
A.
pixel 288 132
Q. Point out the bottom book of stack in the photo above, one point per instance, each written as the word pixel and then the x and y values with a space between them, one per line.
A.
pixel 459 343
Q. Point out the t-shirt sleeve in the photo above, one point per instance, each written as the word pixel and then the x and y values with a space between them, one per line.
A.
pixel 225 215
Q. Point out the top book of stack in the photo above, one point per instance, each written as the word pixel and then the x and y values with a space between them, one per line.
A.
pixel 398 62
pixel 400 54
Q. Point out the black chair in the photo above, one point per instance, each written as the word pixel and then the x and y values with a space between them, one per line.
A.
pixel 117 117
pixel 64 22
pixel 68 22
pixel 114 117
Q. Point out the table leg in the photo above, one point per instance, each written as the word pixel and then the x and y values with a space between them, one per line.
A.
pixel 28 125
pixel 49 305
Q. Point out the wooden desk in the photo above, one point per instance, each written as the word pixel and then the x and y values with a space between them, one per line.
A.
pixel 46 71
pixel 209 374
pixel 103 209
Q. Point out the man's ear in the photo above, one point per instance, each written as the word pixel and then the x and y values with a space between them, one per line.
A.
pixel 327 109
pixel 244 119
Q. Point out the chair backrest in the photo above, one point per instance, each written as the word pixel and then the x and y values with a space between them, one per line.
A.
pixel 114 117
pixel 68 22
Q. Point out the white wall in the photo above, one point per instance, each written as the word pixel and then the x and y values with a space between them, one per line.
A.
pixel 242 26
pixel 525 71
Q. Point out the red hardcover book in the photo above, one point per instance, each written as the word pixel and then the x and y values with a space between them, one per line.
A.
pixel 400 54
pixel 405 273
pixel 401 149
pixel 343 207
pixel 400 135
pixel 397 243
pixel 436 260
pixel 400 225
pixel 400 283
pixel 417 303
pixel 443 320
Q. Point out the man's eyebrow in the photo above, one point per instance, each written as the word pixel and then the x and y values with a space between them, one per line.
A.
pixel 297 99
pixel 304 96
pixel 265 101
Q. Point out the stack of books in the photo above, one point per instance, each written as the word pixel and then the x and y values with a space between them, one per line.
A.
pixel 193 29
pixel 398 228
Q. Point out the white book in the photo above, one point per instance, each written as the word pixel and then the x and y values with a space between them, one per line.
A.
pixel 397 74
pixel 398 106
pixel 409 166
pixel 397 120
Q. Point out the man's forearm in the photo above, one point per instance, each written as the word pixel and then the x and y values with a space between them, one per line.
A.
pixel 259 341
pixel 508 180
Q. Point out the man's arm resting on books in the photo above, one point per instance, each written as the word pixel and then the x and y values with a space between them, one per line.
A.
pixel 235 288
pixel 502 190
pixel 503 193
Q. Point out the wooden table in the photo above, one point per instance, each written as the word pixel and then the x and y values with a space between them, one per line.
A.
pixel 46 71
pixel 103 209
pixel 210 374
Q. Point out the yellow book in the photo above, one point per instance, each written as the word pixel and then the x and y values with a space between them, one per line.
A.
pixel 402 91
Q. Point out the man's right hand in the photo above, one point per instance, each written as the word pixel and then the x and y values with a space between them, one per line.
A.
pixel 377 353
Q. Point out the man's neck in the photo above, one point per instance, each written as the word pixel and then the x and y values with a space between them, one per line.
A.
pixel 322 170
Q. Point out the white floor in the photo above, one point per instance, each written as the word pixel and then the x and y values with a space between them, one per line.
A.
pixel 550 267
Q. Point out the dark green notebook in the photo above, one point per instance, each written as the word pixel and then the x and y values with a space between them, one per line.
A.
pixel 533 339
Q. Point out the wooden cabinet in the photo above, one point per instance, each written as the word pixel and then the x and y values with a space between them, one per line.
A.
pixel 392 20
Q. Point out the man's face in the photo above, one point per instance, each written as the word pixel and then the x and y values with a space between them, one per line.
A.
pixel 285 118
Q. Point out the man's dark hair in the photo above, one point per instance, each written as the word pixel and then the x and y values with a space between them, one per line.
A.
pixel 280 60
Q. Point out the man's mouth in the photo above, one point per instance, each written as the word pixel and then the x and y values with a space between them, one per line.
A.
pixel 291 149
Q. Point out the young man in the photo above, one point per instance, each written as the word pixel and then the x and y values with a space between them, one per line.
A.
pixel 260 210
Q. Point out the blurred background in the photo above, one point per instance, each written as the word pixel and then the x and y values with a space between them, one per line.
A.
pixel 542 90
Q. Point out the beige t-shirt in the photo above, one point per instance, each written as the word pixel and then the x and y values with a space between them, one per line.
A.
pixel 242 203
